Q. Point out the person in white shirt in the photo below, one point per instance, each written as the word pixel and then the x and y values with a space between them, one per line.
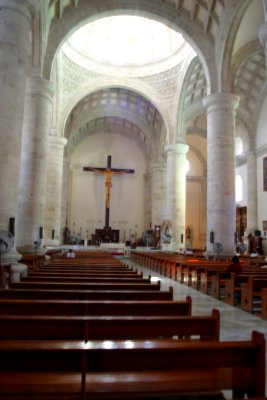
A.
pixel 70 254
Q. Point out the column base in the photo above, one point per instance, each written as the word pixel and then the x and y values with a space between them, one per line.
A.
pixel 17 269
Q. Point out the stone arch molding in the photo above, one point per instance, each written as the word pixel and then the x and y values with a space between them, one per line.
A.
pixel 142 89
pixel 112 125
pixel 177 17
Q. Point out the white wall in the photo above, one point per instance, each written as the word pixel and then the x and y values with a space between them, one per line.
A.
pixel 195 203
pixel 242 171
pixel 261 148
pixel 262 196
pixel 194 218
pixel 87 189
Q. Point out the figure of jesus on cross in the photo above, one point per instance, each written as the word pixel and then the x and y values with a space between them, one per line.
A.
pixel 108 171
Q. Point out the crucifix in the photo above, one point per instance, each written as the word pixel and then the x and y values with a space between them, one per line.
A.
pixel 108 172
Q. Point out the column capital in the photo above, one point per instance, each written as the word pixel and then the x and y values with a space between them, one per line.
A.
pixel 57 141
pixel 26 7
pixel 217 101
pixel 39 85
pixel 177 148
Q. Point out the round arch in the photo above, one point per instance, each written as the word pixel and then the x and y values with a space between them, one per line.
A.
pixel 85 12
pixel 143 90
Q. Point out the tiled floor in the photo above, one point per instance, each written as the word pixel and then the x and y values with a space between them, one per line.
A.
pixel 235 323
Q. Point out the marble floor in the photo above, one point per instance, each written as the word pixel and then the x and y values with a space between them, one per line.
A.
pixel 235 323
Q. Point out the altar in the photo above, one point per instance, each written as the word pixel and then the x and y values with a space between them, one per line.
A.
pixel 107 235
pixel 112 246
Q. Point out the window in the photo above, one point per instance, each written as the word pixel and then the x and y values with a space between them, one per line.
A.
pixel 238 188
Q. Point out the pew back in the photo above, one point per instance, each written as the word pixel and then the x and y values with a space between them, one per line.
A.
pixel 91 308
pixel 110 327
pixel 87 294
pixel 119 369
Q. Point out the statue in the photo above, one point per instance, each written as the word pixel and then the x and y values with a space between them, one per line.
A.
pixel 166 236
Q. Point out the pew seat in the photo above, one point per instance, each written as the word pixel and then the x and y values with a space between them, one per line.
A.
pixel 86 294
pixel 124 369
pixel 97 307
pixel 110 327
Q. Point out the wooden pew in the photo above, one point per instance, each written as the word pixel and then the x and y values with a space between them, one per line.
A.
pixel 84 271
pixel 67 370
pixel 251 293
pixel 86 294
pixel 5 275
pixel 233 286
pixel 86 286
pixel 31 259
pixel 218 281
pixel 206 277
pixel 85 279
pixel 58 272
pixel 86 262
pixel 196 276
pixel 93 308
pixel 197 273
pixel 263 303
pixel 110 327
pixel 73 263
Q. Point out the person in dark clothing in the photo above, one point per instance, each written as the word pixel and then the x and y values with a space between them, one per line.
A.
pixel 235 266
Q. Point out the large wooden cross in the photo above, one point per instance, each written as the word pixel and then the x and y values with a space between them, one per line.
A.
pixel 108 171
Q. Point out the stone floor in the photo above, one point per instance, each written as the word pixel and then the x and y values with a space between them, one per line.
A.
pixel 235 323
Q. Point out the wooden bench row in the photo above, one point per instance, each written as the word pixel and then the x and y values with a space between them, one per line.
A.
pixel 208 276
pixel 93 286
pixel 22 306
pixel 110 327
pixel 76 294
pixel 140 366
pixel 47 369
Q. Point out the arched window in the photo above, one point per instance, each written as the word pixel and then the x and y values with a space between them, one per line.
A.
pixel 238 188
pixel 187 166
pixel 238 146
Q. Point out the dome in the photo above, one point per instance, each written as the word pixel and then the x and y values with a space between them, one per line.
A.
pixel 125 44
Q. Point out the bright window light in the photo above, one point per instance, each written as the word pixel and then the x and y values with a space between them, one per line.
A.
pixel 238 188
pixel 187 166
pixel 126 40
pixel 238 146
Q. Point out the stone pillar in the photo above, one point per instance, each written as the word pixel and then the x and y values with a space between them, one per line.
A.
pixel 176 192
pixel 15 30
pixel 15 27
pixel 251 193
pixel 203 212
pixel 65 196
pixel 148 201
pixel 262 33
pixel 157 192
pixel 221 207
pixel 56 146
pixel 32 188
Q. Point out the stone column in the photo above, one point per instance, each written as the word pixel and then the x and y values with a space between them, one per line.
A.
pixel 65 196
pixel 251 193
pixel 15 26
pixel 157 192
pixel 32 188
pixel 56 146
pixel 176 192
pixel 262 33
pixel 148 201
pixel 15 29
pixel 221 207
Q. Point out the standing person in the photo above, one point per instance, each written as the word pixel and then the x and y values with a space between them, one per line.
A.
pixel 70 254
pixel 235 266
